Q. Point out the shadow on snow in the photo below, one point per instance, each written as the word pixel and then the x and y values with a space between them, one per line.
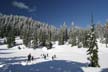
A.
pixel 6 52
pixel 12 60
pixel 3 49
pixel 104 70
pixel 48 66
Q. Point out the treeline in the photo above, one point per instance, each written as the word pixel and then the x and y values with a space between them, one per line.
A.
pixel 27 28
pixel 35 33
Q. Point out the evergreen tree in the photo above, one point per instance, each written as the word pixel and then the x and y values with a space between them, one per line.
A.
pixel 106 34
pixel 42 37
pixel 73 35
pixel 65 32
pixel 61 37
pixel 27 39
pixel 93 49
pixel 11 38
pixel 35 40
pixel 49 38
pixel 85 39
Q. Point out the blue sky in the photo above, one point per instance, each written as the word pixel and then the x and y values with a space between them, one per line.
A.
pixel 55 12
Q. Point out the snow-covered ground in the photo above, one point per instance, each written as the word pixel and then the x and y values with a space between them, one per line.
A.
pixel 68 59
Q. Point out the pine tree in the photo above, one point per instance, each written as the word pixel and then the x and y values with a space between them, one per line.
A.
pixel 93 48
pixel 49 38
pixel 11 38
pixel 61 36
pixel 106 34
pixel 85 39
pixel 42 37
pixel 65 32
pixel 27 39
pixel 73 35
pixel 35 40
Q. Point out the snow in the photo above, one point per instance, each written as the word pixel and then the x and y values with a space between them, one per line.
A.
pixel 68 59
pixel 1 66
pixel 2 40
pixel 44 49
pixel 18 41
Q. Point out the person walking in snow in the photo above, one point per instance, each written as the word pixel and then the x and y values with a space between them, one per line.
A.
pixel 44 56
pixel 47 54
pixel 32 58
pixel 29 57
pixel 19 47
pixel 53 57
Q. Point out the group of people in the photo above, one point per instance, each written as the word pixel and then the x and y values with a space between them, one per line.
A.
pixel 31 58
pixel 46 55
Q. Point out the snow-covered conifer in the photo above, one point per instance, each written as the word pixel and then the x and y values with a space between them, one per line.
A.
pixel 93 49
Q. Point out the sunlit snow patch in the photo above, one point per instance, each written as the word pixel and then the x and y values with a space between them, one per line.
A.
pixel 23 63
pixel 1 65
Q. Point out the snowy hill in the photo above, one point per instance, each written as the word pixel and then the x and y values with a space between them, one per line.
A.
pixel 68 59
